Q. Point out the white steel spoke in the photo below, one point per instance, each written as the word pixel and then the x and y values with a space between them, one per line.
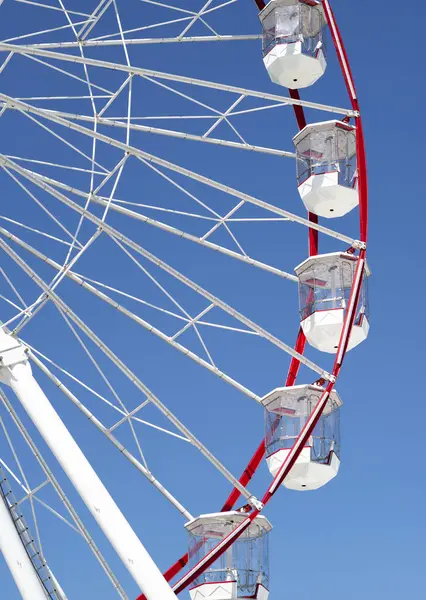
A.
pixel 196 17
pixel 59 303
pixel 32 492
pixel 44 234
pixel 15 291
pixel 131 297
pixel 60 138
pixel 169 6
pixel 103 42
pixel 80 14
pixel 181 188
pixel 66 73
pixel 112 98
pixel 41 32
pixel 152 278
pixel 224 115
pixel 107 382
pixel 43 298
pixel 169 210
pixel 93 19
pixel 106 38
pixel 57 514
pixel 51 98
pixel 8 301
pixel 222 220
pixel 30 50
pixel 26 487
pixel 112 122
pixel 76 380
pixel 43 207
pixel 131 416
pixel 5 63
pixel 14 476
pixel 227 327
pixel 92 102
pixel 145 324
pixel 169 88
pixel 56 165
pixel 108 434
pixel 210 297
pixel 176 168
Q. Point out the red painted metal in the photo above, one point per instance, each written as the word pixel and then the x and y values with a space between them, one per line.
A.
pixel 298 110
pixel 257 457
pixel 306 432
pixel 360 142
pixel 313 236
pixel 297 447
pixel 252 466
pixel 301 122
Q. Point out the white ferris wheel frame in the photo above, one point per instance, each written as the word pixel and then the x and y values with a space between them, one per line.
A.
pixel 16 354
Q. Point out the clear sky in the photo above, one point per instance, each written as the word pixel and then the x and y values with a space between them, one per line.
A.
pixel 362 536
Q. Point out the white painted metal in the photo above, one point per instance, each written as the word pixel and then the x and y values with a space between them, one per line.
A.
pixel 110 436
pixel 66 310
pixel 97 43
pixel 80 527
pixel 16 372
pixel 197 288
pixel 104 297
pixel 31 50
pixel 17 559
pixel 176 134
pixel 168 165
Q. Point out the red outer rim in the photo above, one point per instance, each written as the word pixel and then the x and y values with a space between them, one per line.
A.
pixel 304 435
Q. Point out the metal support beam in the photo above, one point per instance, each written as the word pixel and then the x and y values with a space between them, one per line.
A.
pixel 16 372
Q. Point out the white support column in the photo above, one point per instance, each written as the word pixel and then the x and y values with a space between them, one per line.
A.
pixel 15 371
pixel 17 559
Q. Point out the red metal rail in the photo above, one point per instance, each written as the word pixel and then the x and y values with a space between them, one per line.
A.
pixel 306 432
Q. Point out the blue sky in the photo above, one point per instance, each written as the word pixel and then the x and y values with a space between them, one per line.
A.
pixel 363 534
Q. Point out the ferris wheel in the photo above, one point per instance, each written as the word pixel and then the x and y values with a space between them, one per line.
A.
pixel 180 227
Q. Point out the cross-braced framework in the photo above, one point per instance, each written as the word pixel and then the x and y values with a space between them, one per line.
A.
pixel 149 230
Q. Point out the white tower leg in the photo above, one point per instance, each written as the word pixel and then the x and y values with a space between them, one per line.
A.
pixel 16 372
pixel 17 559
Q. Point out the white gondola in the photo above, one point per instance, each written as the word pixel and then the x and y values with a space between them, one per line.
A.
pixel 325 283
pixel 286 412
pixel 243 570
pixel 293 44
pixel 326 168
